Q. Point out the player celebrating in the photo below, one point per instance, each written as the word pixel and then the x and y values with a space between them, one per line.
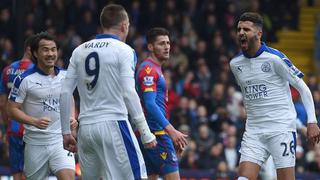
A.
pixel 34 101
pixel 153 92
pixel 264 75
pixel 103 71
pixel 14 128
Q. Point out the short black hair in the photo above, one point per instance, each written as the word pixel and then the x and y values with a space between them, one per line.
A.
pixel 28 42
pixel 252 17
pixel 111 15
pixel 153 33
pixel 38 37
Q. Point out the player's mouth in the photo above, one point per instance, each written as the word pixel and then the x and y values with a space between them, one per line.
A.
pixel 243 42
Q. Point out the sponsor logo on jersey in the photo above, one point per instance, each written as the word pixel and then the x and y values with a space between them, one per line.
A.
pixel 266 67
pixel 148 80
pixel 256 91
pixel 50 104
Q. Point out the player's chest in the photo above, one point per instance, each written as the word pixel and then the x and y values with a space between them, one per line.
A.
pixel 44 87
pixel 255 70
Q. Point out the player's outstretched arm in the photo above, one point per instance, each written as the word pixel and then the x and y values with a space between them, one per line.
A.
pixel 313 131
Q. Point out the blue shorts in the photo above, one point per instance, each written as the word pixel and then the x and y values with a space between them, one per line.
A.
pixel 161 160
pixel 16 148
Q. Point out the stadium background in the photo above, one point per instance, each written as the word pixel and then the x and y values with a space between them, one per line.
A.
pixel 204 101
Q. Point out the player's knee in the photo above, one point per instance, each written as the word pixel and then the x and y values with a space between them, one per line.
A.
pixel 242 178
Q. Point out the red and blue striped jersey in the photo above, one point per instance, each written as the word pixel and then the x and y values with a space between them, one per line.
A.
pixel 8 75
pixel 151 87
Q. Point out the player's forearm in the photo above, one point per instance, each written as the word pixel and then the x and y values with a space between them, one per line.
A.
pixel 17 114
pixel 153 109
pixel 65 111
pixel 307 100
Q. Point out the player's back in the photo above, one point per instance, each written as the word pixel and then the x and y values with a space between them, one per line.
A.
pixel 99 67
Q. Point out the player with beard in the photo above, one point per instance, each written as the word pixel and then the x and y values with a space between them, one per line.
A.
pixel 264 75
pixel 153 93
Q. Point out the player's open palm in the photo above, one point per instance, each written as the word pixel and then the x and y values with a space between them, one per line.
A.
pixel 42 123
pixel 69 143
pixel 313 133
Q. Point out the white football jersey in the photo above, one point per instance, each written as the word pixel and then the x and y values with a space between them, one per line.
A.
pixel 264 81
pixel 39 95
pixel 97 66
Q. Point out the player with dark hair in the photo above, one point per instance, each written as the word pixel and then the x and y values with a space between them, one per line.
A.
pixel 153 92
pixel 264 75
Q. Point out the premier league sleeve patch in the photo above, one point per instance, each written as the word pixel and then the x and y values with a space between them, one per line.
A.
pixel 148 80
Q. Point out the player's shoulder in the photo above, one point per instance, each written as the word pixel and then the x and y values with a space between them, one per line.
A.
pixel 25 76
pixel 278 56
pixel 147 66
pixel 236 59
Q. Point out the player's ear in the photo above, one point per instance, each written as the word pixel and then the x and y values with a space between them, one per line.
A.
pixel 150 47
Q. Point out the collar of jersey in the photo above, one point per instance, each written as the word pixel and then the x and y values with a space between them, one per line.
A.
pixel 101 36
pixel 260 51
pixel 56 70
pixel 152 62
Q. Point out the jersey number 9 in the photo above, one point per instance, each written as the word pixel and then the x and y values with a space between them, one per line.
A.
pixel 92 70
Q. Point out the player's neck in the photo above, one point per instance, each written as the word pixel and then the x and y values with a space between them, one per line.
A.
pixel 253 51
pixel 47 70
pixel 154 59
pixel 115 32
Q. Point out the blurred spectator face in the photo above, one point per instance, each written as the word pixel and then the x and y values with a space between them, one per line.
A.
pixel 316 96
pixel 184 101
pixel 202 111
pixel 216 150
pixel 218 91
pixel 222 167
pixel 217 41
pixel 231 142
pixel 201 47
pixel 87 17
pixel 231 130
pixel 192 145
pixel 204 131
pixel 192 104
pixel 4 15
pixel 185 129
pixel 211 21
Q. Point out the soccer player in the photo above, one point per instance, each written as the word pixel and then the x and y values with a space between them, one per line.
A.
pixel 264 75
pixel 14 128
pixel 103 71
pixel 34 101
pixel 153 92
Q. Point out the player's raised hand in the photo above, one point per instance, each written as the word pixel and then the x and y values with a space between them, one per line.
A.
pixel 42 123
pixel 313 133
pixel 69 143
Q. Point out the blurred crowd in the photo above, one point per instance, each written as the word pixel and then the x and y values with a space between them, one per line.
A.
pixel 204 100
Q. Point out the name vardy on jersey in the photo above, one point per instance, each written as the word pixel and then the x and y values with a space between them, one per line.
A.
pixel 255 91
pixel 96 44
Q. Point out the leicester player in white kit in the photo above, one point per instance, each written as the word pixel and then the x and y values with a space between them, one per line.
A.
pixel 264 75
pixel 103 71
pixel 34 101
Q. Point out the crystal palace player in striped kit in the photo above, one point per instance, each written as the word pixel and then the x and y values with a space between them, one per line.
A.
pixel 152 90
pixel 15 129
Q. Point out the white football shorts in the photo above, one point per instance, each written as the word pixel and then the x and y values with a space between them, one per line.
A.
pixel 257 147
pixel 40 160
pixel 110 150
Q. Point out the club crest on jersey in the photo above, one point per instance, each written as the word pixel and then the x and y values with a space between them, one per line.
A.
pixel 266 67
pixel 164 155
pixel 148 80
pixel 148 70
